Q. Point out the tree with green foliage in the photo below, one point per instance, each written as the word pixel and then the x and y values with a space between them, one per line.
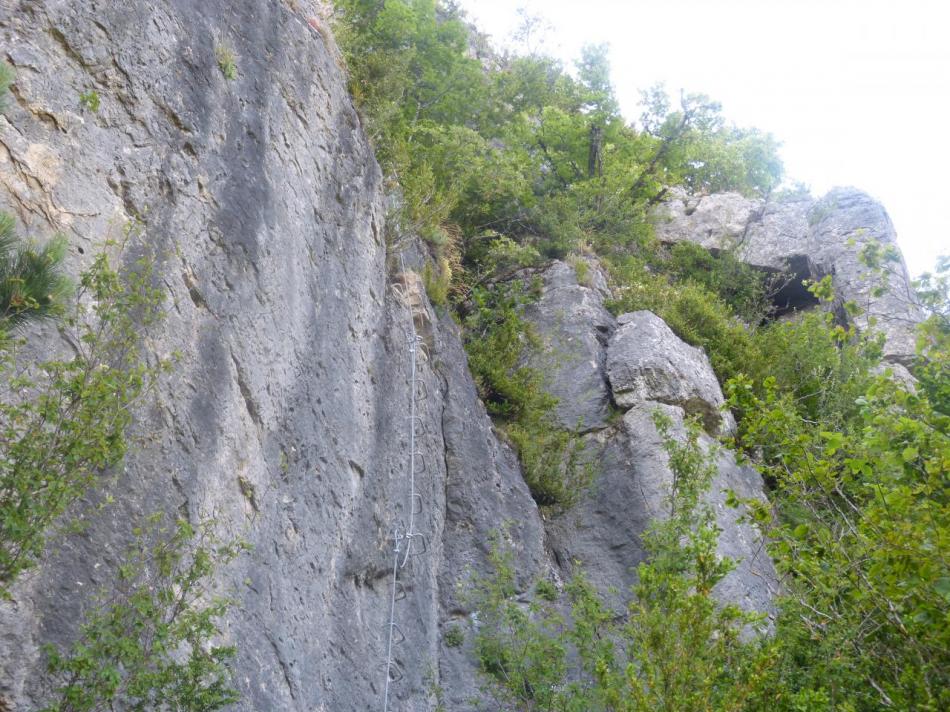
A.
pixel 32 283
pixel 149 644
pixel 63 420
pixel 933 345
pixel 514 146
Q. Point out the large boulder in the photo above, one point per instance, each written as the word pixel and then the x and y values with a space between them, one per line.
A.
pixel 646 361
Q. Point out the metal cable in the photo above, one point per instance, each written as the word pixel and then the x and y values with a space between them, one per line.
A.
pixel 414 343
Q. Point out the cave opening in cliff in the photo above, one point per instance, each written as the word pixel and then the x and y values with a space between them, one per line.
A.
pixel 790 293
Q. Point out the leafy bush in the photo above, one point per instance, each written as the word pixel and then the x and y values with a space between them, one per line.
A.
pixel 676 648
pixel 863 521
pixel 932 367
pixel 149 643
pixel 517 145
pixel 63 421
pixel 742 287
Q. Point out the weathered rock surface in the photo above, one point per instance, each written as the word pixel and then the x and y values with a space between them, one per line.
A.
pixel 285 417
pixel 603 534
pixel 809 239
pixel 647 361
pixel 573 327
pixel 649 368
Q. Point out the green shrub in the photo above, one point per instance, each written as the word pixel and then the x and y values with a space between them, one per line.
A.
pixel 676 648
pixel 860 524
pixel 454 636
pixel 149 642
pixel 546 590
pixel 742 287
pixel 552 461
pixel 63 421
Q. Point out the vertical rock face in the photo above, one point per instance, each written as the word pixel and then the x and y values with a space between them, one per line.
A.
pixel 810 239
pixel 572 324
pixel 285 416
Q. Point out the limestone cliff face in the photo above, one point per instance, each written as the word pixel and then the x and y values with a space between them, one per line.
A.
pixel 285 418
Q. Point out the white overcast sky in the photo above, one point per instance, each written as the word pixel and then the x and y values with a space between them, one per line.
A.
pixel 858 91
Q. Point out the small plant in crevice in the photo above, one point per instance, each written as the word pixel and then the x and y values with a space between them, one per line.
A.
pixel 546 589
pixel 150 641
pixel 90 100
pixel 7 75
pixel 227 61
pixel 454 636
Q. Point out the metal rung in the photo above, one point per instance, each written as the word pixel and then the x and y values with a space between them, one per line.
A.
pixel 420 467
pixel 422 538
pixel 423 351
pixel 398 637
pixel 422 391
pixel 416 504
pixel 400 591
pixel 393 673
pixel 418 424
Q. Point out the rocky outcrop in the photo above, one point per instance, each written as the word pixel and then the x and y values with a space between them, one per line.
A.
pixel 603 534
pixel 646 361
pixel 573 325
pixel 808 239
pixel 643 367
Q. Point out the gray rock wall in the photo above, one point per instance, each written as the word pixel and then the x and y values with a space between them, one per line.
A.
pixel 285 417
